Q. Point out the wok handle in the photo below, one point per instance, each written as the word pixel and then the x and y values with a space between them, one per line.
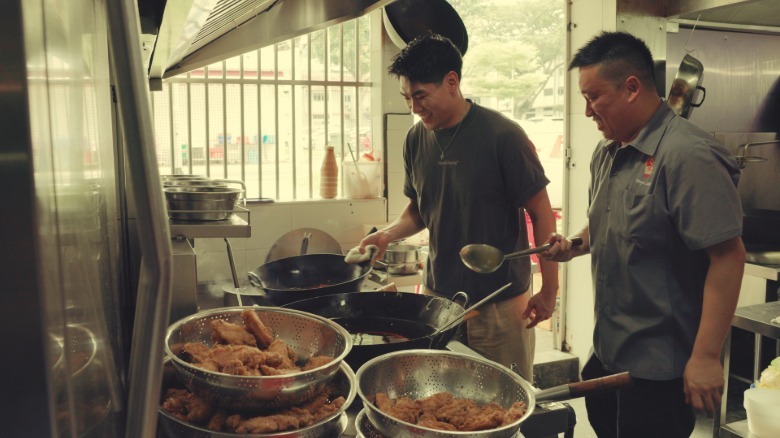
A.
pixel 587 387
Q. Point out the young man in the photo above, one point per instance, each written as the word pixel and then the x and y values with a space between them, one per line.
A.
pixel 470 174
pixel 664 228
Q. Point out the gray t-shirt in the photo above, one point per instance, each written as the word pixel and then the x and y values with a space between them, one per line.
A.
pixel 473 196
pixel 655 205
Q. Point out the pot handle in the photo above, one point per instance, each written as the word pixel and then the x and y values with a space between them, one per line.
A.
pixel 461 296
pixel 703 95
pixel 305 243
pixel 254 279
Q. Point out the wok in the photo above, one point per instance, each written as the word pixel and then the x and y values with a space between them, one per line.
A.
pixel 384 322
pixel 307 276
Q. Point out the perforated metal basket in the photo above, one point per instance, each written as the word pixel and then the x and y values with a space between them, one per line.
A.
pixel 421 373
pixel 364 427
pixel 307 335
pixel 343 384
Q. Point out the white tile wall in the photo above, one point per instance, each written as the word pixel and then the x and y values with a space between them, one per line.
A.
pixel 395 131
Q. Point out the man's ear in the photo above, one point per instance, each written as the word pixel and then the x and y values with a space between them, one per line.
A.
pixel 452 81
pixel 632 85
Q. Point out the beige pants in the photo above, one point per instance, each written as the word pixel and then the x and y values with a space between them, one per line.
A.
pixel 499 333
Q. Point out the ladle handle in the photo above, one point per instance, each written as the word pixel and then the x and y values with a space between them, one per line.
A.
pixel 577 241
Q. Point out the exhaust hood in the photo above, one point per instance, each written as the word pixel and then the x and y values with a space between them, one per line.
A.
pixel 750 15
pixel 196 33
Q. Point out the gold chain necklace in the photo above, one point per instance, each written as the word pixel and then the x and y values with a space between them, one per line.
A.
pixel 441 158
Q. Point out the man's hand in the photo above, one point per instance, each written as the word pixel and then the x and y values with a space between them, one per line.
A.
pixel 703 380
pixel 540 307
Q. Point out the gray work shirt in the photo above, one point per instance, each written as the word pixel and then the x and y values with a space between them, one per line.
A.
pixel 655 205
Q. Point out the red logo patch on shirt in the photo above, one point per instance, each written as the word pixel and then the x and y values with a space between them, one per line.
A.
pixel 648 167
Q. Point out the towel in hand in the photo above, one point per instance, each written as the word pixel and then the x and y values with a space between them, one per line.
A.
pixel 354 255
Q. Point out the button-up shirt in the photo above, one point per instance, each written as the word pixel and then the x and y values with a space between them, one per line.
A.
pixel 655 205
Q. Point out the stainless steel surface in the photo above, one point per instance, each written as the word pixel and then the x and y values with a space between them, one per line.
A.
pixel 202 203
pixel 267 22
pixel 343 384
pixel 760 13
pixel 290 243
pixel 237 225
pixel 420 373
pixel 306 334
pixel 758 182
pixel 234 275
pixel 154 291
pixel 740 77
pixel 185 280
pixel 756 319
pixel 744 157
pixel 401 259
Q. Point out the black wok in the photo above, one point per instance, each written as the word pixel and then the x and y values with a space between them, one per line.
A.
pixel 307 276
pixel 384 322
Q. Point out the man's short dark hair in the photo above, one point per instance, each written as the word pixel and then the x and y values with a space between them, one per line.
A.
pixel 620 55
pixel 427 59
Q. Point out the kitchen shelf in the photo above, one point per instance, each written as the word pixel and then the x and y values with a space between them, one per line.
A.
pixel 237 225
pixel 756 319
pixel 767 272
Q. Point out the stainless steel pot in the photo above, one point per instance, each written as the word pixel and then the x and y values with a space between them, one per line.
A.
pixel 401 259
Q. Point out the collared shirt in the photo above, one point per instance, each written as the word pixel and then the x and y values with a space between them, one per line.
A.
pixel 655 205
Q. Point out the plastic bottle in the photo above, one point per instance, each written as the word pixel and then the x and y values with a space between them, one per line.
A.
pixel 329 174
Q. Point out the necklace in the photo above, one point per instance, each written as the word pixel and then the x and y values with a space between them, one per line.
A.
pixel 436 139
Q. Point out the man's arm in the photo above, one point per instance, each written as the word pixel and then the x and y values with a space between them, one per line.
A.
pixel 408 224
pixel 541 306
pixel 704 373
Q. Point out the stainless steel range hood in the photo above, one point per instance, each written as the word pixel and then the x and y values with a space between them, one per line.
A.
pixel 196 33
pixel 751 15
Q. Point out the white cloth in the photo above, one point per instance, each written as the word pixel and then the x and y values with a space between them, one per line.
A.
pixel 354 255
pixel 776 320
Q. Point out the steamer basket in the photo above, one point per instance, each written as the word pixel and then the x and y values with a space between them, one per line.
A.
pixel 344 384
pixel 307 335
pixel 205 203
pixel 421 373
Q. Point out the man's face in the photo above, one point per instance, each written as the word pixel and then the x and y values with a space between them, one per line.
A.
pixel 433 103
pixel 606 103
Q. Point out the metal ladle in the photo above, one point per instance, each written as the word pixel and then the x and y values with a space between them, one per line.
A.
pixel 486 259
pixel 743 158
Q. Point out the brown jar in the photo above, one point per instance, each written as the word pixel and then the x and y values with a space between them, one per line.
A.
pixel 329 174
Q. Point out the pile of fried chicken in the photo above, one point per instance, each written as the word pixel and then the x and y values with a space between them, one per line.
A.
pixel 250 349
pixel 188 407
pixel 245 350
pixel 444 411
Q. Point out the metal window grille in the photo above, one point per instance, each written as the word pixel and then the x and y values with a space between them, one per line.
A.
pixel 265 117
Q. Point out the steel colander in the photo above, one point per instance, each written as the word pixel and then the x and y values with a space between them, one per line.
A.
pixel 421 373
pixel 307 335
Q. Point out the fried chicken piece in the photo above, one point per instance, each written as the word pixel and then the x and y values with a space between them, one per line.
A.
pixel 235 367
pixel 224 332
pixel 432 403
pixel 288 356
pixel 222 355
pixel 316 403
pixel 186 406
pixel 267 424
pixel 217 421
pixel 457 411
pixel 402 408
pixel 514 413
pixel 430 421
pixel 195 352
pixel 489 416
pixel 316 362
pixel 252 322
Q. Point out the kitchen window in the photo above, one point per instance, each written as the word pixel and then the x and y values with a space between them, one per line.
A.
pixel 265 117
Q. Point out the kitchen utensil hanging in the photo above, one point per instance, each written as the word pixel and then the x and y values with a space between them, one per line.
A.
pixel 686 82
